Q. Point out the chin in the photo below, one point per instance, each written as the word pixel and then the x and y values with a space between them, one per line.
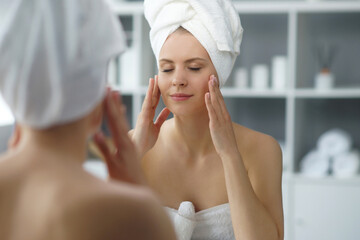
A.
pixel 186 110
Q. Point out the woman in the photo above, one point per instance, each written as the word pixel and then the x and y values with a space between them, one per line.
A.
pixel 52 75
pixel 217 179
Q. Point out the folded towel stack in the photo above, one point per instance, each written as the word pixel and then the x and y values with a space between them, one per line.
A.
pixel 333 155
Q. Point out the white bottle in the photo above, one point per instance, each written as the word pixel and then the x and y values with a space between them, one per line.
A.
pixel 260 77
pixel 279 72
pixel 241 78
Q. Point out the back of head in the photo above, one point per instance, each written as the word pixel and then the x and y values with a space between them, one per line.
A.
pixel 53 57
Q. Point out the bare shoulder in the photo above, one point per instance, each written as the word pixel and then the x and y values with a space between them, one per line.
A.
pixel 258 149
pixel 119 212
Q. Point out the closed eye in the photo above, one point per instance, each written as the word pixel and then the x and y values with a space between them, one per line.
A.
pixel 167 70
pixel 194 69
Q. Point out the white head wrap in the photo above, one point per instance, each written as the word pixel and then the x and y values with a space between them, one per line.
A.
pixel 53 57
pixel 214 23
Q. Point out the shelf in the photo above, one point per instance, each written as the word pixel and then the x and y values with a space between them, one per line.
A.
pixel 332 93
pixel 252 93
pixel 258 7
pixel 123 8
pixel 329 180
pixel 124 92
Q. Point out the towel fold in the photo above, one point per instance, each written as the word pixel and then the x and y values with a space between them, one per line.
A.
pixel 185 221
pixel 215 24
pixel 346 164
pixel 210 224
pixel 315 164
pixel 334 142
pixel 54 56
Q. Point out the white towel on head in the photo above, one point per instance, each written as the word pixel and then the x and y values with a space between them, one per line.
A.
pixel 53 57
pixel 334 142
pixel 215 24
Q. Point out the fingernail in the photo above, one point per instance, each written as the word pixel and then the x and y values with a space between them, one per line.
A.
pixel 108 90
pixel 215 79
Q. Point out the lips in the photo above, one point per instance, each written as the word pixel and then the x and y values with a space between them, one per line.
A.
pixel 180 96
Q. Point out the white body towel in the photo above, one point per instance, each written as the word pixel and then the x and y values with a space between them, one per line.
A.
pixel 215 24
pixel 209 224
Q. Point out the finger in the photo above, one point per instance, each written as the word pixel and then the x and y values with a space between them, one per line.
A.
pixel 213 97
pixel 156 93
pixel 15 138
pixel 113 119
pixel 124 124
pixel 119 125
pixel 148 98
pixel 210 108
pixel 220 97
pixel 100 142
pixel 162 118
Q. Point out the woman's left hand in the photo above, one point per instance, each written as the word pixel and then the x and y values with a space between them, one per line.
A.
pixel 221 128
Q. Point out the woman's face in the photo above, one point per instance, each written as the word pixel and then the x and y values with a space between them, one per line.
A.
pixel 184 71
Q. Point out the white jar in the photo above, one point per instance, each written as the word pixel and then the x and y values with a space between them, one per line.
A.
pixel 324 80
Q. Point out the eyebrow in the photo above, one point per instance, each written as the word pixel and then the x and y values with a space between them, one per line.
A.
pixel 187 61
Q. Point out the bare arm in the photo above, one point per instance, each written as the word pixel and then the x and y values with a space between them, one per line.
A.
pixel 254 196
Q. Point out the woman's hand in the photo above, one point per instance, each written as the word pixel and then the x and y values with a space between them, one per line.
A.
pixel 147 131
pixel 14 140
pixel 221 128
pixel 119 153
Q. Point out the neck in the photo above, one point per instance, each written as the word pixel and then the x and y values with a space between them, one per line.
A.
pixel 194 132
pixel 65 143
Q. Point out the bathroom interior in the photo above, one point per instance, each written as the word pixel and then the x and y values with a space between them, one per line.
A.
pixel 297 79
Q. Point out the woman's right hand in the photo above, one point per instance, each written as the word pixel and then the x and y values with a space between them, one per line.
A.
pixel 147 131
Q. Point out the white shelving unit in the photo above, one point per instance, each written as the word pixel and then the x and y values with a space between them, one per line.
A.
pixel 296 116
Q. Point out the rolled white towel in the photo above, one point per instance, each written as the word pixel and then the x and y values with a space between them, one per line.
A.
pixel 334 142
pixel 315 164
pixel 346 164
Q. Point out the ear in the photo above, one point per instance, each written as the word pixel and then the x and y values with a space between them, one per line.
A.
pixel 15 138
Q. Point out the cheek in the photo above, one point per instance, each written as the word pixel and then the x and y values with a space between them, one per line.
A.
pixel 162 83
pixel 205 84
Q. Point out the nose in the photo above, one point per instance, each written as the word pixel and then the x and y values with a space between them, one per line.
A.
pixel 179 79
